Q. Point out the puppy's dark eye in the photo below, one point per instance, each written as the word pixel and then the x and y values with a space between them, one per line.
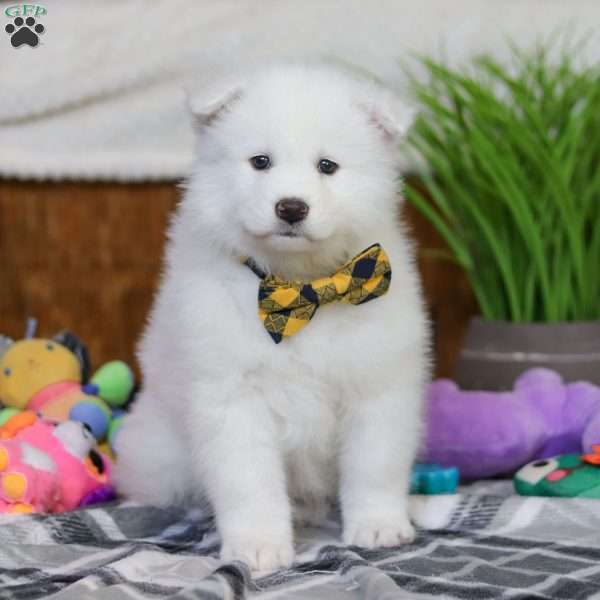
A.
pixel 260 162
pixel 327 167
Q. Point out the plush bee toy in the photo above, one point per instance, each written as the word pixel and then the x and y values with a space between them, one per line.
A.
pixel 51 378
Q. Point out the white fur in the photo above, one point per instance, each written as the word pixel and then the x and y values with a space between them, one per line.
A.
pixel 225 413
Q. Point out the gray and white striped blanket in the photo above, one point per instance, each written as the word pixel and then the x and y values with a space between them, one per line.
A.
pixel 488 544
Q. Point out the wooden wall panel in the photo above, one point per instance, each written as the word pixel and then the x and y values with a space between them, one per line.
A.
pixel 82 256
pixel 448 295
pixel 87 257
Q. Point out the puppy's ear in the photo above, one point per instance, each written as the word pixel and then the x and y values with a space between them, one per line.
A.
pixel 210 104
pixel 388 113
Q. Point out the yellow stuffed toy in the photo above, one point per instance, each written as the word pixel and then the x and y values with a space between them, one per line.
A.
pixel 29 366
pixel 49 377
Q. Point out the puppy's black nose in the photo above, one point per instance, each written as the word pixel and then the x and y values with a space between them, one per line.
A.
pixel 291 210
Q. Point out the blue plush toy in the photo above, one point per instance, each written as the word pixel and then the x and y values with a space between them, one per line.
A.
pixel 433 479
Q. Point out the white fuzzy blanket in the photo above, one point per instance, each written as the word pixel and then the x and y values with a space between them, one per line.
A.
pixel 102 96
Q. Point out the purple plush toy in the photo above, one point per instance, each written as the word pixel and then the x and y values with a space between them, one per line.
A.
pixel 495 433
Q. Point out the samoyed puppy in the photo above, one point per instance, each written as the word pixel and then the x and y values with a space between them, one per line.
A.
pixel 296 167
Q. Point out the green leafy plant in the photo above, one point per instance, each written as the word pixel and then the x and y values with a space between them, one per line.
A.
pixel 512 180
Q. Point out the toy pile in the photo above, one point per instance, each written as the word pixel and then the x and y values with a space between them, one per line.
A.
pixel 544 430
pixel 58 425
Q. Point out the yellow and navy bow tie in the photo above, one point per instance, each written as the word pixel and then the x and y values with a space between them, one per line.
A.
pixel 286 307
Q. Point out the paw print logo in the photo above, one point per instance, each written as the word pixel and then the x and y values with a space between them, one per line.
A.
pixel 24 32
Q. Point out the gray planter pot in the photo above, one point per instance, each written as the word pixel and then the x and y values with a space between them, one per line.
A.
pixel 495 353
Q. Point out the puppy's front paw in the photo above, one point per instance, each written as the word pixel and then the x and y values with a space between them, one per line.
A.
pixel 383 531
pixel 260 553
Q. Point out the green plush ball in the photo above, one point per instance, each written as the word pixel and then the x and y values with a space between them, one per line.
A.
pixel 114 381
pixel 7 413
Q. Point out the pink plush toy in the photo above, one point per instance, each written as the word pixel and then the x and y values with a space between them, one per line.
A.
pixel 49 468
pixel 486 434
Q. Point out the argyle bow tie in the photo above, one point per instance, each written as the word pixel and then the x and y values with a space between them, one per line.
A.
pixel 286 307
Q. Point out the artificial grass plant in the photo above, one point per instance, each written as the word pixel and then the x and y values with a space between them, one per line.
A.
pixel 512 180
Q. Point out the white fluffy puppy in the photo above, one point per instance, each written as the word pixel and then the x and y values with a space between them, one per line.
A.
pixel 297 168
